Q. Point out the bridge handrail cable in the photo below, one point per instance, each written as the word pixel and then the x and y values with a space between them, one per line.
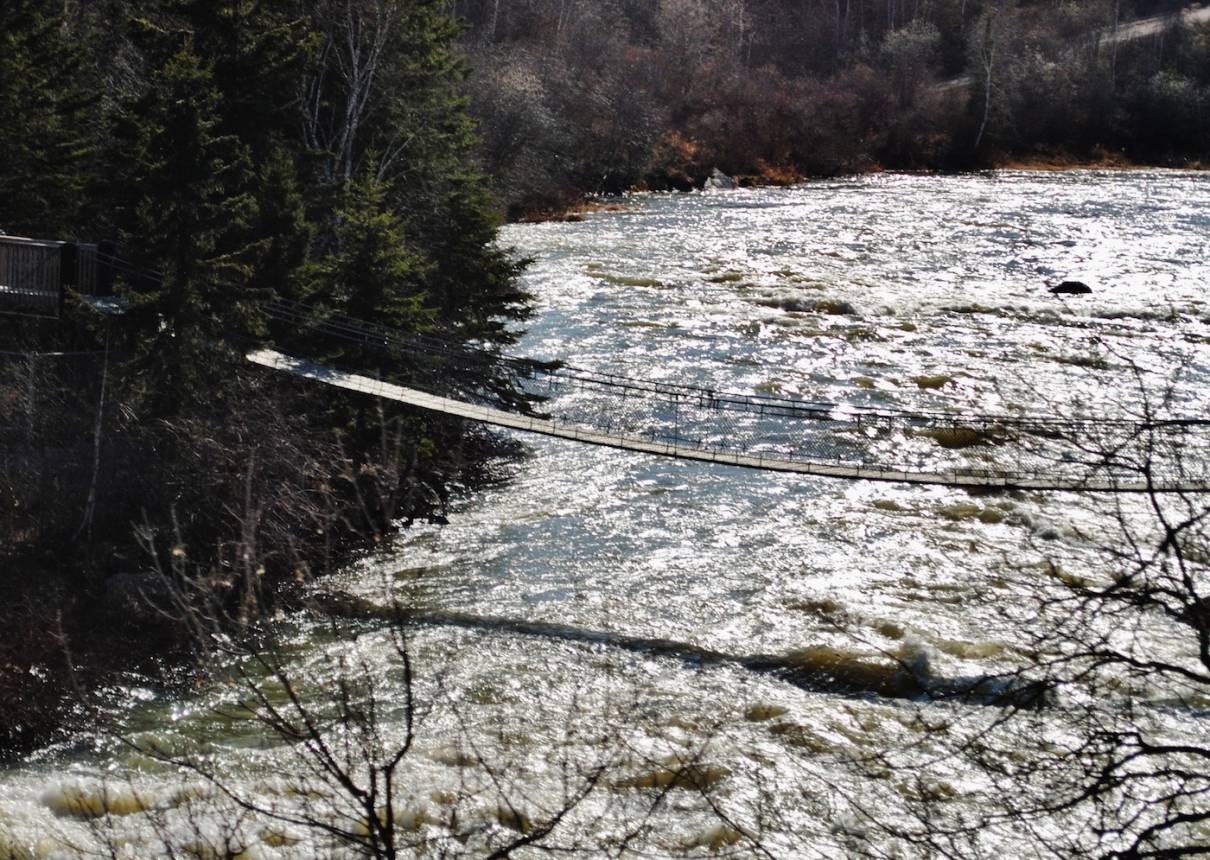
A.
pixel 373 334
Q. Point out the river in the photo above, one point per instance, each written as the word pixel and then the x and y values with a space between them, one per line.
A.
pixel 704 652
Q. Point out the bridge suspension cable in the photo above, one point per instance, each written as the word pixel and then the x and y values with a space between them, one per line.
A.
pixel 1120 454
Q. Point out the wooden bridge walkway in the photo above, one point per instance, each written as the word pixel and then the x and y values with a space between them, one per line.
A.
pixel 1098 471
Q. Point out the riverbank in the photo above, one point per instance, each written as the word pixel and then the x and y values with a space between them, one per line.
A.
pixel 1058 162
pixel 1100 159
pixel 223 517
pixel 145 470
pixel 942 90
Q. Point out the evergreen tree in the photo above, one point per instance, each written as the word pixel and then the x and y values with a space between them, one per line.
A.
pixel 46 121
pixel 386 103
pixel 188 218
pixel 438 186
pixel 257 52
pixel 372 273
pixel 282 226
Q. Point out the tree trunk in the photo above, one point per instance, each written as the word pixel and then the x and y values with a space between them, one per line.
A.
pixel 1113 48
pixel 989 61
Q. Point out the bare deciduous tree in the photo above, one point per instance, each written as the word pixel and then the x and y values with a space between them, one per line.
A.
pixel 1112 758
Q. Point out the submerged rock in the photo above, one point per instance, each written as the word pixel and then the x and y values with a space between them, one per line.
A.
pixel 95 801
pixel 834 307
pixel 715 839
pixel 1070 288
pixel 629 281
pixel 805 304
pixel 932 383
pixel 514 819
pixel 762 712
pixel 955 438
pixel 676 773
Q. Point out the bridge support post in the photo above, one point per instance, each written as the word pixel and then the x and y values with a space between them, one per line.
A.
pixel 69 269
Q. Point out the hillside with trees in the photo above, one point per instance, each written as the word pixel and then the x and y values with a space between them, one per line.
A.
pixel 606 96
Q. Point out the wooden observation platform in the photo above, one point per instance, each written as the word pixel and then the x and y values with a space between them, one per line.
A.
pixel 35 274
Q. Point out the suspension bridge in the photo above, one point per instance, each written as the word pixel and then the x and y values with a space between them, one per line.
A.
pixel 1144 453
pixel 830 441
pixel 779 434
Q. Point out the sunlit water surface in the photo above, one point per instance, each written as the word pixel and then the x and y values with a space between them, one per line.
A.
pixel 800 621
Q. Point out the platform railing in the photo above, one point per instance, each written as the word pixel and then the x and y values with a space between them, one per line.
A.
pixel 35 274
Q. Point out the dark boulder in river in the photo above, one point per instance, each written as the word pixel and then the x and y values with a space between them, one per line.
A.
pixel 1071 288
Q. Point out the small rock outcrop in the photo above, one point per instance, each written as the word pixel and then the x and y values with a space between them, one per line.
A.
pixel 1070 288
pixel 719 181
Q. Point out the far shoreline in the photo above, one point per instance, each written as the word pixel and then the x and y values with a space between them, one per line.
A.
pixel 575 212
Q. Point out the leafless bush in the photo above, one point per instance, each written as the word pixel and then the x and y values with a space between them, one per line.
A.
pixel 1110 759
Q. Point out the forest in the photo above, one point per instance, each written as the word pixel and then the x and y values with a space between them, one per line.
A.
pixel 605 96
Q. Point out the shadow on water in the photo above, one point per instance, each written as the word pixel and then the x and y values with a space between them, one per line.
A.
pixel 818 669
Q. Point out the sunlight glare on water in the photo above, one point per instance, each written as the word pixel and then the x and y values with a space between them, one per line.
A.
pixel 602 606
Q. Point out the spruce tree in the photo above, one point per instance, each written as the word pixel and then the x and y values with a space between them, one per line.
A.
pixel 282 228
pixel 412 135
pixel 372 273
pixel 188 219
pixel 448 207
pixel 257 52
pixel 46 122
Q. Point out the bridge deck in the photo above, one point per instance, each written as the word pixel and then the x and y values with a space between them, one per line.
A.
pixel 629 442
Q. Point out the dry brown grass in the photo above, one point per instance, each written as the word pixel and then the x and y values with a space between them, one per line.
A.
pixel 571 214
pixel 777 175
pixel 1101 159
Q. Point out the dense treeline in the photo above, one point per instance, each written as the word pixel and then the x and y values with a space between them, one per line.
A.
pixel 603 96
pixel 238 153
